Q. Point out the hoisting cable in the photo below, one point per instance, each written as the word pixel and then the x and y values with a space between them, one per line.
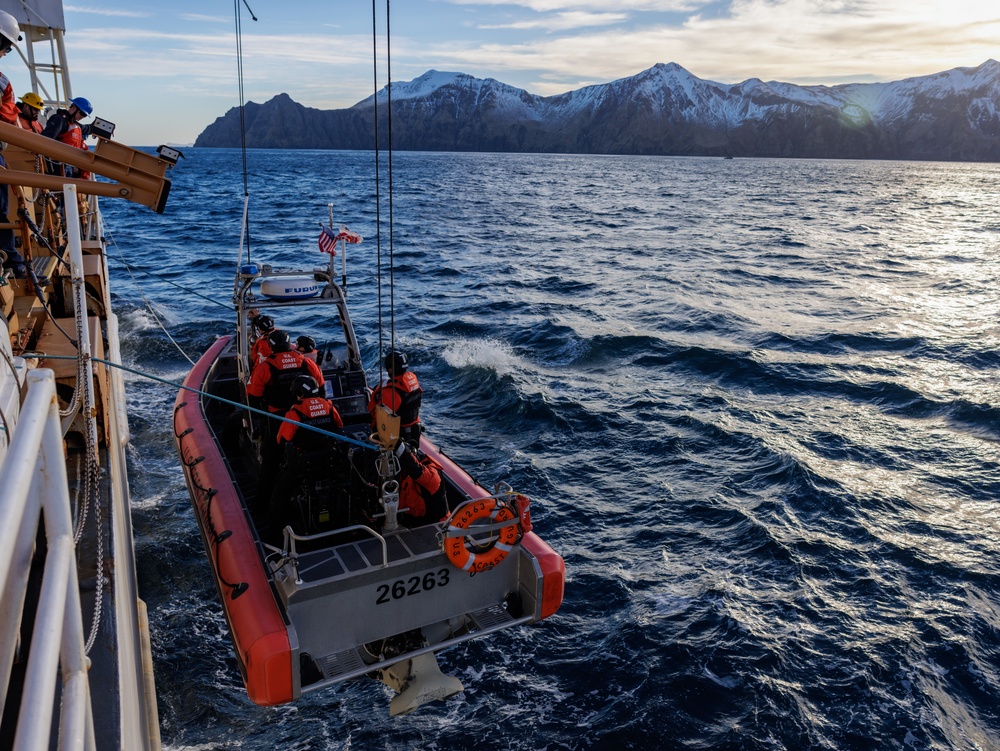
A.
pixel 149 305
pixel 388 117
pixel 378 191
pixel 199 392
pixel 245 228
pixel 160 277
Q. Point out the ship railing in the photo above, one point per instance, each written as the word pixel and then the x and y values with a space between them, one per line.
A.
pixel 292 555
pixel 35 488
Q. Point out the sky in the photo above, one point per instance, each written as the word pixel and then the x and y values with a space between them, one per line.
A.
pixel 162 72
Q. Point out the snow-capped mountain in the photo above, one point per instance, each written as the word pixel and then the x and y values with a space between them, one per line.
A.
pixel 951 115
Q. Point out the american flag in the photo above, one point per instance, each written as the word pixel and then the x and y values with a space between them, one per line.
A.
pixel 328 241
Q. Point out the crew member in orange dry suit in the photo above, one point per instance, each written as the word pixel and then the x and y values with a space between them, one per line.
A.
pixel 270 385
pixel 317 412
pixel 260 349
pixel 10 33
pixel 401 393
pixel 311 409
pixel 307 346
pixel 421 492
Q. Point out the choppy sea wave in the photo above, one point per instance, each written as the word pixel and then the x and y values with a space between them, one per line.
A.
pixel 755 404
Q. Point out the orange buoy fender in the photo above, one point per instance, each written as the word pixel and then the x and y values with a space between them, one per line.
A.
pixel 474 562
pixel 553 573
pixel 256 624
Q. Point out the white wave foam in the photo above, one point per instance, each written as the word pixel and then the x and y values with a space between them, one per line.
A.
pixel 134 321
pixel 154 500
pixel 482 353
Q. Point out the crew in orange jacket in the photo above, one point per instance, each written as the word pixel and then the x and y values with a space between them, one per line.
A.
pixel 311 409
pixel 271 385
pixel 65 126
pixel 272 379
pixel 401 393
pixel 10 33
pixel 260 349
pixel 422 495
pixel 28 110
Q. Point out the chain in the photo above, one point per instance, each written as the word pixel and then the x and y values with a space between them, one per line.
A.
pixel 91 476
pixel 82 387
pixel 94 480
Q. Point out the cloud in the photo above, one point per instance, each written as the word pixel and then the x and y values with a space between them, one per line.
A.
pixel 105 11
pixel 561 21
pixel 790 40
pixel 548 6
pixel 198 18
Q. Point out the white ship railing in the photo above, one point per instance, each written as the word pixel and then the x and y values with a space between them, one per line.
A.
pixel 33 479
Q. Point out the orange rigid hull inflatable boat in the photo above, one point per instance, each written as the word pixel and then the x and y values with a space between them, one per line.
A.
pixel 329 581
pixel 256 622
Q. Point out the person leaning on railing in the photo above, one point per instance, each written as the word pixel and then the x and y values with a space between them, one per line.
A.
pixel 65 126
pixel 10 33
pixel 28 111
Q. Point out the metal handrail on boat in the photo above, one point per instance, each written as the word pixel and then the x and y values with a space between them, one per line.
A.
pixel 293 555
pixel 33 475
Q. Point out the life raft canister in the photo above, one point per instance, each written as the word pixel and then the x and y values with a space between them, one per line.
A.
pixel 481 558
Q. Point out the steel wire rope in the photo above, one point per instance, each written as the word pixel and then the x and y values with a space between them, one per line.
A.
pixel 199 392
pixel 162 278
pixel 378 188
pixel 388 120
pixel 378 194
pixel 243 122
pixel 149 305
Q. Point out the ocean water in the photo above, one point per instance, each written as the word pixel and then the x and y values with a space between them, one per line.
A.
pixel 755 403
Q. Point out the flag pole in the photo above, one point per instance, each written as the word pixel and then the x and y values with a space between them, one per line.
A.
pixel 330 269
pixel 343 264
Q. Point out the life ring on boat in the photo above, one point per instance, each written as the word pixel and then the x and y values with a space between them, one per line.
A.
pixel 490 554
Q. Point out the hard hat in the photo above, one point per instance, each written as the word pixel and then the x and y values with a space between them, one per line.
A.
pixel 9 29
pixel 305 343
pixel 33 100
pixel 83 105
pixel 305 386
pixel 279 341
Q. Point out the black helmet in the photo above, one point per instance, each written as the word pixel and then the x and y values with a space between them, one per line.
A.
pixel 263 323
pixel 305 386
pixel 305 343
pixel 279 341
pixel 396 361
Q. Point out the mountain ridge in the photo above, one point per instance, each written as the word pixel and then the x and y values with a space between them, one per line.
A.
pixel 950 116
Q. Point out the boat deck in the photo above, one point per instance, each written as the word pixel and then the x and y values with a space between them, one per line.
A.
pixel 363 555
